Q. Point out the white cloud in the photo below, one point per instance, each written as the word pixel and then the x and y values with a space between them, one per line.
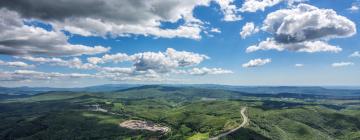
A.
pixel 118 70
pixel 342 64
pixel 229 10
pixel 248 29
pixel 16 38
pixel 94 60
pixel 121 18
pixel 294 2
pixel 71 63
pixel 41 59
pixel 114 18
pixel 307 46
pixel 299 65
pixel 184 58
pixel 315 46
pixel 268 44
pixel 204 71
pixel 212 30
pixel 306 22
pixel 157 61
pixel 16 64
pixel 304 28
pixel 256 63
pixel 22 75
pixel 215 30
pixel 78 64
pixel 255 5
pixel 117 58
pixel 121 74
pixel 151 66
pixel 355 54
pixel 354 7
pixel 156 65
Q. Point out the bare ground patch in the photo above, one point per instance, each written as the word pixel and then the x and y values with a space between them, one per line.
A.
pixel 144 125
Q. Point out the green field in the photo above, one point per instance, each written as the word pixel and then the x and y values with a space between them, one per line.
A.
pixel 190 113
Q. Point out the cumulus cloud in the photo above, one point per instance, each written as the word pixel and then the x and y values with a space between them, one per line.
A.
pixel 248 29
pixel 76 63
pixel 118 70
pixel 165 61
pixel 229 10
pixel 268 44
pixel 22 75
pixel 255 5
pixel 152 66
pixel 155 65
pixel 212 31
pixel 354 7
pixel 71 63
pixel 256 63
pixel 304 28
pixel 342 64
pixel 215 30
pixel 17 38
pixel 306 22
pixel 204 71
pixel 112 17
pixel 355 54
pixel 120 18
pixel 42 59
pixel 307 46
pixel 128 74
pixel 185 58
pixel 157 61
pixel 119 57
pixel 16 64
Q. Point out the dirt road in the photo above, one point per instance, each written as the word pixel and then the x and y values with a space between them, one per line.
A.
pixel 245 121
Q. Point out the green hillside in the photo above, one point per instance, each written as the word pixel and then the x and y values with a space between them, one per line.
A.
pixel 190 113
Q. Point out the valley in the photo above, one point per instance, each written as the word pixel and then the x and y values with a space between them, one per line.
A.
pixel 166 112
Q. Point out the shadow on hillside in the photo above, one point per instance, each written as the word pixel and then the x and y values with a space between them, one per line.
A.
pixel 245 134
pixel 60 121
pixel 267 105
pixel 69 126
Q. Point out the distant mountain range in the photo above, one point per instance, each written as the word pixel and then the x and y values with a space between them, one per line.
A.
pixel 37 90
pixel 315 90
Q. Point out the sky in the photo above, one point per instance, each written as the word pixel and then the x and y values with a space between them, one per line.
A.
pixel 234 42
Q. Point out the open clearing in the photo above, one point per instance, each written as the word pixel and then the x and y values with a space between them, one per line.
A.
pixel 143 125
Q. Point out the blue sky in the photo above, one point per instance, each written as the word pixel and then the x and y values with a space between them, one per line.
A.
pixel 39 47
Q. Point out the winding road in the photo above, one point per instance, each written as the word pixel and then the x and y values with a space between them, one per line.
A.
pixel 242 111
pixel 245 121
